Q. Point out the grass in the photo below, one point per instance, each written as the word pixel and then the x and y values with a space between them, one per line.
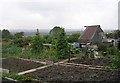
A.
pixel 18 77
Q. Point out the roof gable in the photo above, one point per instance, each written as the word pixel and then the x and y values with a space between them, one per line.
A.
pixel 89 33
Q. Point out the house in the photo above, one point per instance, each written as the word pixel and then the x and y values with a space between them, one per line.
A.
pixel 92 34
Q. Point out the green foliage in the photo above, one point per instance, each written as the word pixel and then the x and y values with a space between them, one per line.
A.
pixel 111 50
pixel 110 35
pixel 18 39
pixel 102 47
pixel 13 49
pixel 73 38
pixel 55 31
pixel 49 54
pixel 115 60
pixel 19 42
pixel 26 41
pixel 22 42
pixel 19 35
pixel 90 54
pixel 76 50
pixel 115 34
pixel 20 78
pixel 6 34
pixel 37 44
pixel 47 39
pixel 73 50
pixel 114 57
pixel 62 45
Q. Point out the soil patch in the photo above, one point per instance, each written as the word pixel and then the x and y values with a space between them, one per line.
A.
pixel 99 61
pixel 18 65
pixel 58 73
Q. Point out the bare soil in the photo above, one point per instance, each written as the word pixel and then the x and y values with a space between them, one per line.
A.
pixel 18 65
pixel 98 62
pixel 58 73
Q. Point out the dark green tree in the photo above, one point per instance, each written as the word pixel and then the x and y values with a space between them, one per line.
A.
pixel 116 34
pixel 73 38
pixel 37 43
pixel 55 31
pixel 19 42
pixel 6 34
pixel 19 35
pixel 109 35
pixel 19 39
pixel 47 39
pixel 62 45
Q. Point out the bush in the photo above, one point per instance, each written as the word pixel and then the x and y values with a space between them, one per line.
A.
pixel 37 44
pixel 115 60
pixel 75 50
pixel 111 51
pixel 62 45
pixel 49 53
pixel 13 49
pixel 102 47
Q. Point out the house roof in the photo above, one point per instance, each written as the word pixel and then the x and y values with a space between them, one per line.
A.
pixel 89 33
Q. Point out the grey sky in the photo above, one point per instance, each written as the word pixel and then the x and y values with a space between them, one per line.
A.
pixel 70 14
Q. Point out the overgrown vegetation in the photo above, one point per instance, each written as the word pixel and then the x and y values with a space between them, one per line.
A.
pixel 60 48
pixel 32 47
pixel 37 44
pixel 62 45
pixel 115 57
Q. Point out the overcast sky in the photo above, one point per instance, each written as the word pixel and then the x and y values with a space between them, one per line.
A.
pixel 70 14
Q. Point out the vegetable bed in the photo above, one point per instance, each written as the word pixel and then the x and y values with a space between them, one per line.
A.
pixel 19 65
pixel 98 62
pixel 58 73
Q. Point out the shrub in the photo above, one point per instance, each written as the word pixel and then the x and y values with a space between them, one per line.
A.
pixel 116 60
pixel 102 47
pixel 49 53
pixel 111 50
pixel 37 44
pixel 75 50
pixel 62 45
pixel 13 49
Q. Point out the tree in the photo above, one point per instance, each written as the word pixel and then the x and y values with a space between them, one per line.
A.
pixel 6 34
pixel 115 34
pixel 73 38
pixel 47 39
pixel 54 34
pixel 19 35
pixel 37 43
pixel 55 31
pixel 109 35
pixel 62 45
pixel 19 42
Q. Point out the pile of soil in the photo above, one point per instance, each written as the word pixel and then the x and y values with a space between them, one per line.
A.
pixel 58 73
pixel 18 65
